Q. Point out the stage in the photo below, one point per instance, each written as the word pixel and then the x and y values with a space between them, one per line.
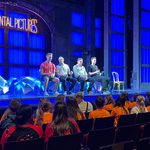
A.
pixel 34 99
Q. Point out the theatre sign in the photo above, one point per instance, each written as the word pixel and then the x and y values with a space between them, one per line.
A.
pixel 19 23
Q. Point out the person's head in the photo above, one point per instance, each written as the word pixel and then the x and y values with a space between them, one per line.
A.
pixel 120 101
pixel 60 98
pixel 24 115
pixel 72 103
pixel 72 107
pixel 61 60
pixel 99 102
pixel 79 97
pixel 49 57
pixel 109 100
pixel 14 105
pixel 60 113
pixel 125 95
pixel 42 100
pixel 140 101
pixel 80 61
pixel 148 95
pixel 135 95
pixel 46 107
pixel 93 60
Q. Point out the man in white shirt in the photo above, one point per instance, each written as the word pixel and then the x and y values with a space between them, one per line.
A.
pixel 82 76
pixel 84 106
pixel 64 74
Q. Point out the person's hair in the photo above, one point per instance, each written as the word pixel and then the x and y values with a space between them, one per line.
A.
pixel 141 103
pixel 135 95
pixel 125 95
pixel 14 105
pixel 49 54
pixel 120 101
pixel 140 98
pixel 60 122
pixel 60 57
pixel 79 59
pixel 93 58
pixel 24 114
pixel 148 95
pixel 73 108
pixel 47 106
pixel 110 100
pixel 99 102
pixel 80 95
pixel 60 98
pixel 41 102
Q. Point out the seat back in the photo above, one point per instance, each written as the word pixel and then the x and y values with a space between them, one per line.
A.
pixel 128 145
pixel 68 142
pixel 37 144
pixel 127 133
pixel 101 123
pixel 98 138
pixel 143 144
pixel 146 132
pixel 125 120
pixel 143 118
pixel 85 125
pixel 115 76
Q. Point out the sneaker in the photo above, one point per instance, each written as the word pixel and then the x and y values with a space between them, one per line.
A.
pixel 89 92
pixel 65 93
pixel 69 93
pixel 46 93
pixel 106 92
pixel 56 93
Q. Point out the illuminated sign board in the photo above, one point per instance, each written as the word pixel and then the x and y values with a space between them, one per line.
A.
pixel 19 23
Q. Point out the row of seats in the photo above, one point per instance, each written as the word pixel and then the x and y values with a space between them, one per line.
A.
pixel 125 137
pixel 108 122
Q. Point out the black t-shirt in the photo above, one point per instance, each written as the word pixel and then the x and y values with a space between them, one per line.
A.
pixel 93 68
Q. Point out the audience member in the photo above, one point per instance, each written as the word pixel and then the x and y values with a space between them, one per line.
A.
pixel 61 124
pixel 100 112
pixel 74 110
pixel 24 129
pixel 119 109
pixel 9 115
pixel 140 106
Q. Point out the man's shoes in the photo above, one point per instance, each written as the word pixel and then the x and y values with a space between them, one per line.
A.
pixel 106 92
pixel 70 93
pixel 56 93
pixel 89 92
pixel 46 93
pixel 65 93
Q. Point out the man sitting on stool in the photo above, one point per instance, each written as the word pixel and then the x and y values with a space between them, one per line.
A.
pixel 81 75
pixel 47 70
pixel 64 74
pixel 94 73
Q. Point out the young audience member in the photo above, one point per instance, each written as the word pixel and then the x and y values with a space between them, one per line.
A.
pixel 9 115
pixel 119 109
pixel 74 110
pixel 24 129
pixel 100 112
pixel 44 114
pixel 140 106
pixel 109 103
pixel 84 106
pixel 61 124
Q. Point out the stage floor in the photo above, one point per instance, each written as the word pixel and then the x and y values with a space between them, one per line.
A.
pixel 34 99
